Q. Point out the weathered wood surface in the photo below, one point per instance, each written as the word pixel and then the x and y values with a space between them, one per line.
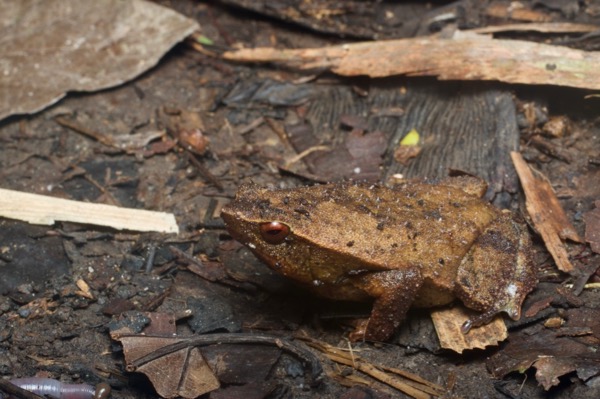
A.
pixel 463 57
pixel 463 126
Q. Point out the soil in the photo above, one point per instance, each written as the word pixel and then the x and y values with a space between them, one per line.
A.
pixel 51 326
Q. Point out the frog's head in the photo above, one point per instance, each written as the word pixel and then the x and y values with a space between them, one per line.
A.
pixel 260 219
pixel 254 215
pixel 306 234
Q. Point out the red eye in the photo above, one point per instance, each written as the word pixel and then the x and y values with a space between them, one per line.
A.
pixel 274 232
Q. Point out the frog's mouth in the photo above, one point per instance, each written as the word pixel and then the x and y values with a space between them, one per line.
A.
pixel 235 225
pixel 287 260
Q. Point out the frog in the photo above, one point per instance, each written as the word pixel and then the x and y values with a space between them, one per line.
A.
pixel 417 244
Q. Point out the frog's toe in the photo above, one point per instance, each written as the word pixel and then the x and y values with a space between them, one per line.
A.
pixel 360 331
pixel 511 309
pixel 478 320
pixel 514 312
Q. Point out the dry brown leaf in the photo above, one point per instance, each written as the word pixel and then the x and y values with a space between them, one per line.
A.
pixel 179 372
pixel 592 227
pixel 553 352
pixel 404 153
pixel 546 213
pixel 84 289
pixel 448 323
pixel 464 57
pixel 50 47
pixel 548 369
pixel 176 366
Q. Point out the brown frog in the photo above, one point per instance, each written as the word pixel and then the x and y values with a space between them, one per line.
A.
pixel 417 244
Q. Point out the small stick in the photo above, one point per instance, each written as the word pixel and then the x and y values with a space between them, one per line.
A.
pixel 42 209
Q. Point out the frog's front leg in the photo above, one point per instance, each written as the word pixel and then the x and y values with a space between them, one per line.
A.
pixel 394 292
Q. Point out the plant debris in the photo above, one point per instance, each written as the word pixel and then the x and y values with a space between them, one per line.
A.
pixel 592 227
pixel 547 214
pixel 448 324
pixel 554 352
pixel 405 382
pixel 42 209
pixel 191 375
pixel 465 56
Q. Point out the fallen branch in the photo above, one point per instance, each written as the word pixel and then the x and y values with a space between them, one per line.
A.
pixel 464 57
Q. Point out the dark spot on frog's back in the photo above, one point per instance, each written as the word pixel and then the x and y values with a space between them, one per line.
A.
pixel 465 282
pixel 363 209
pixel 434 214
pixel 303 212
pixel 263 204
pixel 497 241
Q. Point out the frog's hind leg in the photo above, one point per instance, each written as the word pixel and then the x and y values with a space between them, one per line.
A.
pixel 497 272
pixel 394 292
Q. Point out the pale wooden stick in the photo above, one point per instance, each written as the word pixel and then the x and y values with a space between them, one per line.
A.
pixel 42 209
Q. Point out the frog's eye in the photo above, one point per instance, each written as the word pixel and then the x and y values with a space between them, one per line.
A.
pixel 274 232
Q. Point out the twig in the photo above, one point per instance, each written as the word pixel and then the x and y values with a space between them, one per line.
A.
pixel 203 170
pixel 413 385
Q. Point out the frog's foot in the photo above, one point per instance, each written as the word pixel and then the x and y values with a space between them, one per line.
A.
pixel 359 331
pixel 394 292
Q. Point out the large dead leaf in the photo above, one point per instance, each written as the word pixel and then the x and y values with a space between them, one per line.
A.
pixel 50 47
pixel 178 371
pixel 176 366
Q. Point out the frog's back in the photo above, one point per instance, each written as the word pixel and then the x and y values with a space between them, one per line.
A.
pixel 432 226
